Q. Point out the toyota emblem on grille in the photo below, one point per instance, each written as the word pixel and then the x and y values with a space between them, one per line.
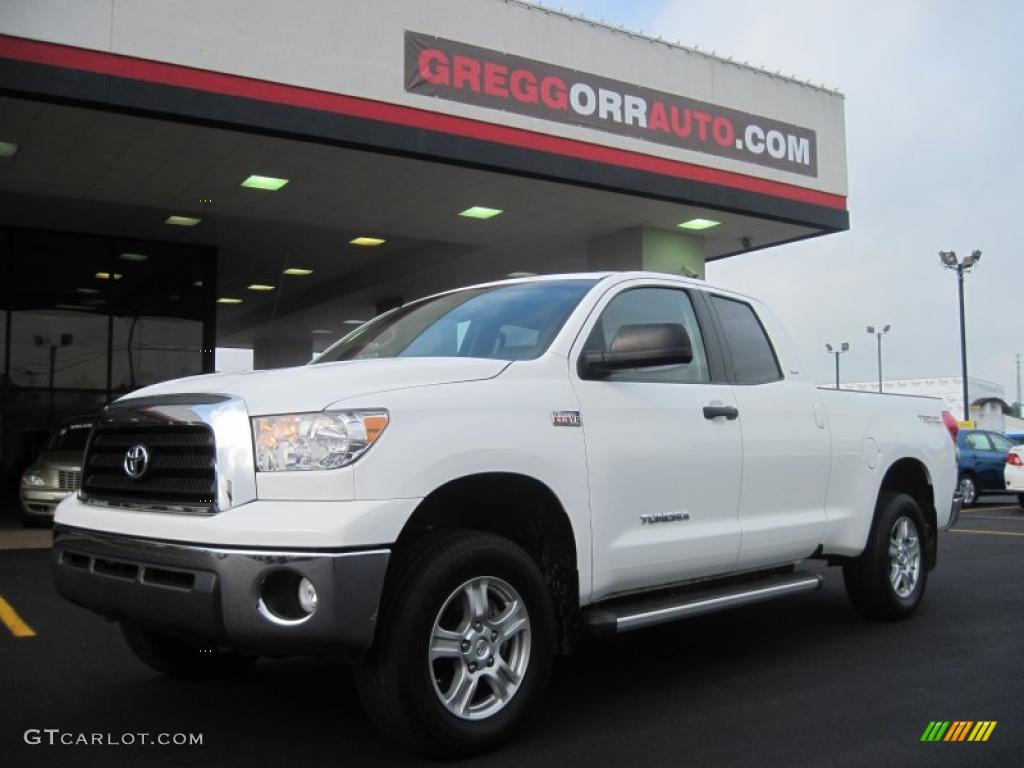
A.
pixel 136 461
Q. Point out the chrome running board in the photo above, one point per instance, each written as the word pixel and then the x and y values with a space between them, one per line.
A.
pixel 646 611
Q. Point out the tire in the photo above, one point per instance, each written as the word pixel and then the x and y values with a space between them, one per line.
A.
pixel 426 607
pixel 969 482
pixel 181 659
pixel 896 544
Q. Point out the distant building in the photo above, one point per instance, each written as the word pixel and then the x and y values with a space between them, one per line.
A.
pixel 989 408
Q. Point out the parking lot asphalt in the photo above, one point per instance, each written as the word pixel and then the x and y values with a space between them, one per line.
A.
pixel 796 682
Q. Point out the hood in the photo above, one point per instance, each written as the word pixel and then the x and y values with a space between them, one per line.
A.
pixel 67 461
pixel 314 387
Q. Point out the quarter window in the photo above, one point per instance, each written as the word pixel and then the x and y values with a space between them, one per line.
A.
pixel 753 359
pixel 1001 443
pixel 638 306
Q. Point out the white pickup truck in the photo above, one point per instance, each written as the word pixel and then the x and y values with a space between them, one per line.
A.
pixel 455 491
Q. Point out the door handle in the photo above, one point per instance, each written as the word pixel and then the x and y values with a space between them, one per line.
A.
pixel 714 411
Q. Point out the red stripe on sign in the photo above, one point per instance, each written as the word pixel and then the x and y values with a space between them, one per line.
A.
pixel 148 71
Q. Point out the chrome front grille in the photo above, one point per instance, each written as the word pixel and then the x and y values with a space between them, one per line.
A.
pixel 196 450
pixel 69 480
pixel 180 468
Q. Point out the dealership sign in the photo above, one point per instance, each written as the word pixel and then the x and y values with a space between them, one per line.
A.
pixel 482 77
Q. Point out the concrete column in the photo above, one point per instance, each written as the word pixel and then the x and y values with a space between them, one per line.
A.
pixel 643 248
pixel 281 353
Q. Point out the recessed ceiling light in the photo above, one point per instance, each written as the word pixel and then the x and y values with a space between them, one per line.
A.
pixel 182 221
pixel 87 290
pixel 75 307
pixel 321 330
pixel 367 241
pixel 134 256
pixel 268 183
pixel 697 224
pixel 480 212
pixel 521 274
pixel 8 149
pixel 228 300
pixel 260 287
pixel 297 272
pixel 106 275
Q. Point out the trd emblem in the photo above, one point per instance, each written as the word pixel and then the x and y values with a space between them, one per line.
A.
pixel 136 461
pixel 567 419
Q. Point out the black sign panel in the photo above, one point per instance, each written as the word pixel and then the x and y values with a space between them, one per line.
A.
pixel 485 78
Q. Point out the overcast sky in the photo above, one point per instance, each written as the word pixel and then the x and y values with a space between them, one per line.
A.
pixel 935 154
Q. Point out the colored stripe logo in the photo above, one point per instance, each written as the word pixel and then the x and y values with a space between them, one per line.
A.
pixel 959 730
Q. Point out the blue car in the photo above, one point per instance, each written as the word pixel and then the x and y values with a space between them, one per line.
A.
pixel 982 458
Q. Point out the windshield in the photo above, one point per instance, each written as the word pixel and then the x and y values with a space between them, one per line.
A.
pixel 504 322
pixel 69 437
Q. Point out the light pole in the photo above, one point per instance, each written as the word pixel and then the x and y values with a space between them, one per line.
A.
pixel 884 329
pixel 44 341
pixel 844 347
pixel 949 261
pixel 1018 384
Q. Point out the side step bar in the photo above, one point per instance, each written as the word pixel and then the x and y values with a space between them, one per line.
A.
pixel 646 612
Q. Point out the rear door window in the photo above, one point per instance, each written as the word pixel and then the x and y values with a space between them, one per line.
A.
pixel 978 441
pixel 747 344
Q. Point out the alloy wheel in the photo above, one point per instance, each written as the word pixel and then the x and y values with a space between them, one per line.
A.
pixel 904 557
pixel 479 648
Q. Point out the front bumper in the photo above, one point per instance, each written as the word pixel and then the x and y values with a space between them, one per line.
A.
pixel 41 502
pixel 215 594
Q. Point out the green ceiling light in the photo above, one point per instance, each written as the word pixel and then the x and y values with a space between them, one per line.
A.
pixel 182 221
pixel 268 183
pixel 699 224
pixel 87 290
pixel 363 240
pixel 521 274
pixel 134 256
pixel 480 212
pixel 228 300
pixel 107 276
pixel 297 272
pixel 260 287
pixel 321 331
pixel 8 149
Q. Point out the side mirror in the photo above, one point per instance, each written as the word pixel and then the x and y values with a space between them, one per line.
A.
pixel 639 346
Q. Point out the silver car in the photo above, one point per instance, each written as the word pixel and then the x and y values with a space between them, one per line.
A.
pixel 56 472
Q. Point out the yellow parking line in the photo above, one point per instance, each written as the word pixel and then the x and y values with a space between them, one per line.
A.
pixel 993 533
pixel 13 621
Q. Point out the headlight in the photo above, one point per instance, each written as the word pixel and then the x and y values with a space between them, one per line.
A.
pixel 31 478
pixel 325 440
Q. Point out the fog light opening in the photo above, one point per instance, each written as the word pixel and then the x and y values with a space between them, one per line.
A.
pixel 287 597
